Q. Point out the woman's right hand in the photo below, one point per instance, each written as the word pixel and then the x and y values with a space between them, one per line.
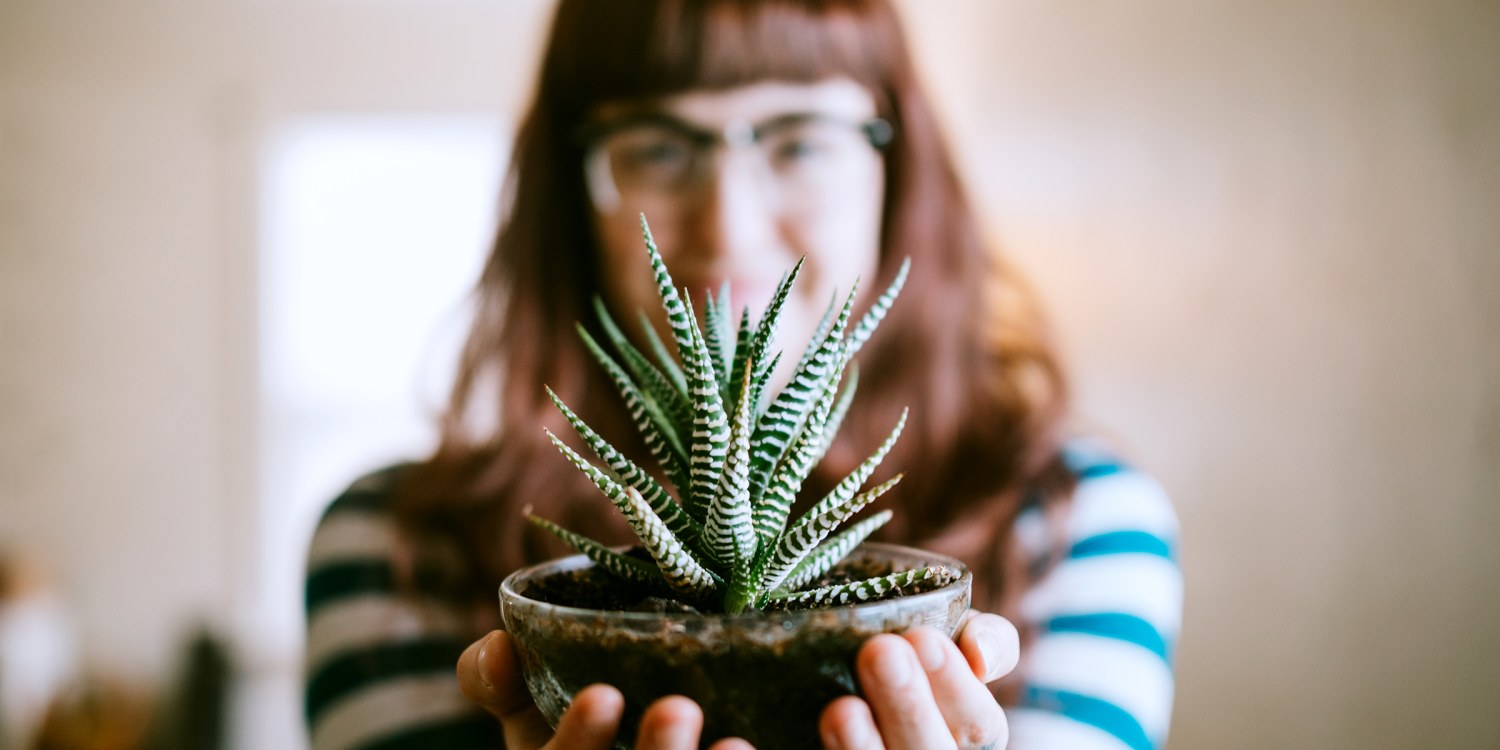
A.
pixel 490 675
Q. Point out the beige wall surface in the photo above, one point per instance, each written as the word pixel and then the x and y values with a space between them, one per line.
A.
pixel 1267 233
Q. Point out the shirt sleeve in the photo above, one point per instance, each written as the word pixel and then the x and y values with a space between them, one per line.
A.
pixel 1098 671
pixel 380 662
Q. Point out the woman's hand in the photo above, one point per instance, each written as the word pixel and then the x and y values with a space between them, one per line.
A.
pixel 490 675
pixel 922 692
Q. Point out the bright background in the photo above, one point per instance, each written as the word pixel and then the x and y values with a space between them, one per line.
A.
pixel 235 236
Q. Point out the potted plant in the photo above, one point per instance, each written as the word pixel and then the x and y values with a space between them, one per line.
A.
pixel 727 600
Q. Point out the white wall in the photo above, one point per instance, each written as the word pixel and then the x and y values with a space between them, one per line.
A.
pixel 1266 231
pixel 1269 233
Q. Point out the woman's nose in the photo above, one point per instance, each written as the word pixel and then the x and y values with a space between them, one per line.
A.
pixel 736 213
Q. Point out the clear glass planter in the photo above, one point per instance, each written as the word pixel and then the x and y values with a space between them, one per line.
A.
pixel 762 676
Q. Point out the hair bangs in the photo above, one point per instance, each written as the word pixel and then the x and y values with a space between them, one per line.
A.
pixel 721 44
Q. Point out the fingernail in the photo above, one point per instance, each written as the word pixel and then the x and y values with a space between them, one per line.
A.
pixel 989 649
pixel 932 653
pixel 854 736
pixel 832 740
pixel 850 736
pixel 484 676
pixel 895 669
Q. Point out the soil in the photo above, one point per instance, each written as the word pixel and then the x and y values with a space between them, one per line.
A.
pixel 592 588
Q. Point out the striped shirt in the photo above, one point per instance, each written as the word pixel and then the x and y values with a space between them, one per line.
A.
pixel 380 664
pixel 1097 672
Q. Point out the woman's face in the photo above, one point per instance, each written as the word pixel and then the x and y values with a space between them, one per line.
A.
pixel 737 185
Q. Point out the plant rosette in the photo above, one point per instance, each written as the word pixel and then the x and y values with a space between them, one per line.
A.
pixel 728 600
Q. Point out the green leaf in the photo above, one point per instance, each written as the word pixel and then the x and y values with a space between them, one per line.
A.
pixel 715 311
pixel 825 324
pixel 661 503
pixel 656 427
pixel 829 553
pixel 710 440
pixel 618 565
pixel 776 497
pixel 840 408
pixel 668 363
pixel 799 540
pixel 728 534
pixel 679 316
pixel 868 590
pixel 789 411
pixel 683 573
pixel 851 483
pixel 654 385
pixel 765 331
pixel 871 320
pixel 742 347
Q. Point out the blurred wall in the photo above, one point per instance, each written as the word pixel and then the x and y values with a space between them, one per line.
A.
pixel 1266 231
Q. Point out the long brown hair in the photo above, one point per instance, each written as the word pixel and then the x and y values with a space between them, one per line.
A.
pixel 965 347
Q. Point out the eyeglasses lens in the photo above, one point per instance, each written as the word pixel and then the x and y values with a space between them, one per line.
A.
pixel 802 163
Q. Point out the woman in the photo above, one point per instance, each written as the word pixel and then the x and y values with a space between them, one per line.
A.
pixel 751 134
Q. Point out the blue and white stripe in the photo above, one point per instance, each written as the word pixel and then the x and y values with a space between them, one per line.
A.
pixel 1105 620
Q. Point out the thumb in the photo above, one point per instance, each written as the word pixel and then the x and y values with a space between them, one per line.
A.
pixel 490 675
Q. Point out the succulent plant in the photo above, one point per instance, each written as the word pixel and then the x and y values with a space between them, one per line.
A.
pixel 736 457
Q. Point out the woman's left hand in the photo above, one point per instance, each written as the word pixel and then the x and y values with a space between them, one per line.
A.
pixel 923 692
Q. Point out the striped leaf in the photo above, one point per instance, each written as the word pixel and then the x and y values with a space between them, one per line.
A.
pixel 715 323
pixel 841 407
pixel 799 540
pixel 654 385
pixel 790 409
pixel 765 331
pixel 868 590
pixel 632 475
pixel 762 385
pixel 683 573
pixel 856 478
pixel 664 359
pixel 825 324
pixel 871 320
pixel 710 442
pixel 774 502
pixel 742 346
pixel 677 564
pixel 655 427
pixel 728 533
pixel 679 317
pixel 829 553
pixel 621 566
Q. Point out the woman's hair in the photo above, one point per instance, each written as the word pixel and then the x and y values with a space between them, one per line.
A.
pixel 964 347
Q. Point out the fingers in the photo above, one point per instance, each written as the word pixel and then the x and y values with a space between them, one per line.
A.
pixel 672 723
pixel 991 645
pixel 490 675
pixel 969 710
pixel 896 687
pixel 591 721
pixel 847 724
pixel 733 743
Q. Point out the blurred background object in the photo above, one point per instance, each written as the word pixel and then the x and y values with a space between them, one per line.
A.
pixel 97 714
pixel 49 700
pixel 234 239
pixel 38 656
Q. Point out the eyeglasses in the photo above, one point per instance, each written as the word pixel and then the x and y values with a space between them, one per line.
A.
pixel 656 163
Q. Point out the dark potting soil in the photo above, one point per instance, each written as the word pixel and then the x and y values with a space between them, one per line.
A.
pixel 592 588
